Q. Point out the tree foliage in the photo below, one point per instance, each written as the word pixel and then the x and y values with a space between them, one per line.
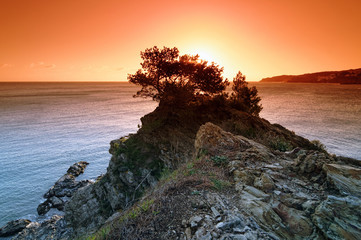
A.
pixel 174 80
pixel 243 97
pixel 168 77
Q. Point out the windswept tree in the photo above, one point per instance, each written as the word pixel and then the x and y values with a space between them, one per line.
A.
pixel 172 79
pixel 243 97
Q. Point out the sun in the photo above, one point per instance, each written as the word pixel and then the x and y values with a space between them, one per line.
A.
pixel 211 51
pixel 205 53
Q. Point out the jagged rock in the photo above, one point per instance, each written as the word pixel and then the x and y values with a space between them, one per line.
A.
pixel 92 205
pixel 339 217
pixel 54 228
pixel 346 178
pixel 44 207
pixel 312 162
pixel 77 168
pixel 63 188
pixel 13 227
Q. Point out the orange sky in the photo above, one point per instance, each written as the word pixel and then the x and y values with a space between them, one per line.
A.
pixel 87 40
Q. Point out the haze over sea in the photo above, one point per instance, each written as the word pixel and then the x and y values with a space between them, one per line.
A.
pixel 46 127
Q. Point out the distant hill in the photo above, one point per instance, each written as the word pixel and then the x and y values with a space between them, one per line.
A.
pixel 352 76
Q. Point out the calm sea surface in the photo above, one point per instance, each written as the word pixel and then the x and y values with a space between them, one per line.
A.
pixel 46 127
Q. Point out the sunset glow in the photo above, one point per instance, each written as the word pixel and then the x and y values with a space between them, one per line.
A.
pixel 91 40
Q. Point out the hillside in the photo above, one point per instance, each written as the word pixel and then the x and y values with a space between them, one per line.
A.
pixel 352 76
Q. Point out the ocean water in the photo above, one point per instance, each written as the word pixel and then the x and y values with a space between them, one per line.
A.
pixel 330 113
pixel 46 127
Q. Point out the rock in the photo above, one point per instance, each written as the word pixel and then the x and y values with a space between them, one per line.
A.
pixel 57 195
pixel 44 207
pixel 345 178
pixel 215 141
pixel 244 176
pixel 294 153
pixel 77 168
pixel 311 163
pixel 127 177
pixel 255 192
pixel 202 234
pixel 215 212
pixel 299 225
pixel 54 228
pixel 231 223
pixel 265 183
pixel 13 227
pixel 188 233
pixel 339 217
pixel 195 221
pixel 57 203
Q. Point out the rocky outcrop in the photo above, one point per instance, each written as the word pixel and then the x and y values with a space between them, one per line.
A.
pixel 56 197
pixel 13 227
pixel 54 228
pixel 339 217
pixel 293 198
pixel 63 189
pixel 271 195
pixel 347 179
pixel 119 188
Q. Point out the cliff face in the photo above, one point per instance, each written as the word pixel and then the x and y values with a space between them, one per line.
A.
pixel 352 76
pixel 182 177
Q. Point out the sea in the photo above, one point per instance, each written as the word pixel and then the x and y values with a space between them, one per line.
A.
pixel 46 127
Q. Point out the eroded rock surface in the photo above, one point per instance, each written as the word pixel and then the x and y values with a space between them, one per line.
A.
pixel 14 227
pixel 291 195
pixel 63 189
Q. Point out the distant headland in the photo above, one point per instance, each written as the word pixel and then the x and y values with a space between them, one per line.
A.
pixel 352 76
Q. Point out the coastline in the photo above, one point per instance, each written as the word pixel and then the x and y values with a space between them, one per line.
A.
pixel 266 169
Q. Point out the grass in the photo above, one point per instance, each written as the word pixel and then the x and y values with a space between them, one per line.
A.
pixel 319 146
pixel 136 211
pixel 219 160
pixel 280 144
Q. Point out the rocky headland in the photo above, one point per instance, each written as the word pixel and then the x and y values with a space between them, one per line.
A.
pixel 352 76
pixel 210 172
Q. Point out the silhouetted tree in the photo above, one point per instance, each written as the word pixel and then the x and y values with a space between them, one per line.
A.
pixel 243 97
pixel 170 78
